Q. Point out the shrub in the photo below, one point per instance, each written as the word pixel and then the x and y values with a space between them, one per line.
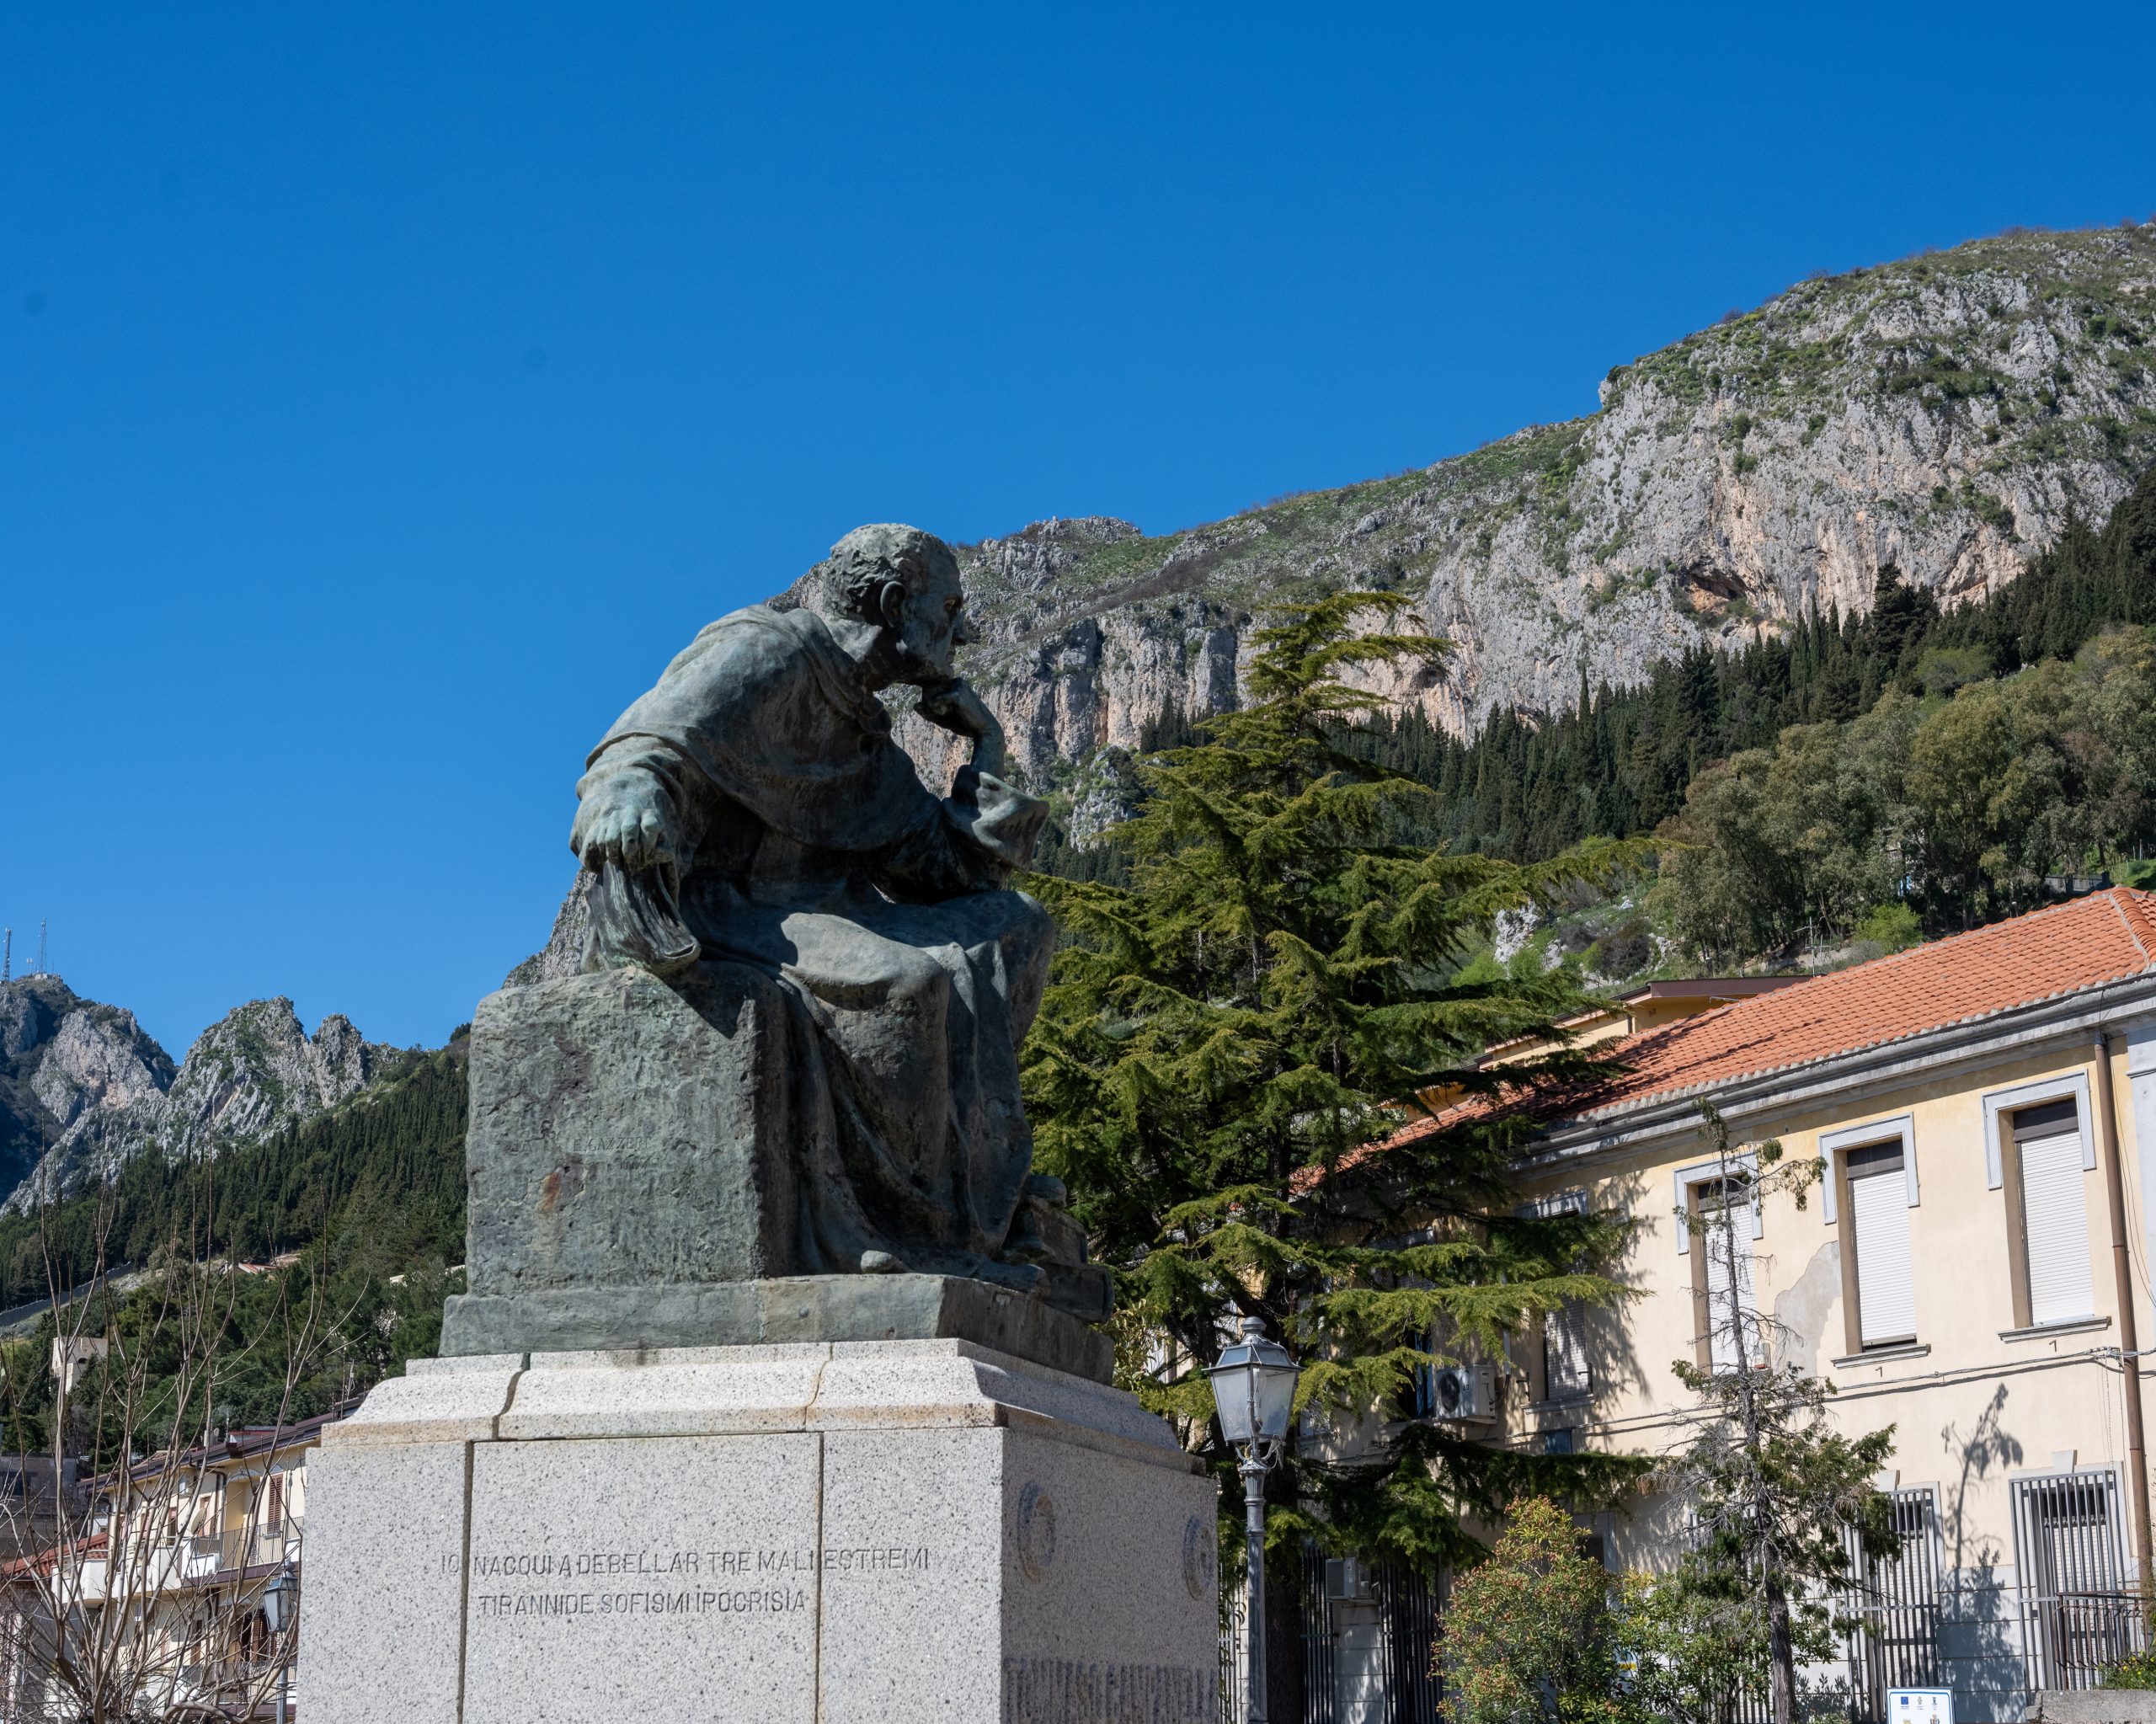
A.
pixel 2138 1672
pixel 1529 1637
pixel 1892 927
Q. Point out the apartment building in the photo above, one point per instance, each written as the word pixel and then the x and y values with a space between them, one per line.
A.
pixel 177 1579
pixel 1973 1271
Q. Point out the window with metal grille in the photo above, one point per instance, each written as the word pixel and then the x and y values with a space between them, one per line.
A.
pixel 1565 1371
pixel 2078 1616
pixel 2051 1163
pixel 1879 1222
pixel 1894 1606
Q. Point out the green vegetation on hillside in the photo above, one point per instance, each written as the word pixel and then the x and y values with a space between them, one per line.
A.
pixel 1771 759
pixel 366 1204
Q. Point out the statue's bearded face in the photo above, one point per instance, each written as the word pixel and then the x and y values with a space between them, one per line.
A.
pixel 927 619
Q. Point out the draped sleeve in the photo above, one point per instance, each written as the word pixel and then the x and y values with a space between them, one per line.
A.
pixel 763 710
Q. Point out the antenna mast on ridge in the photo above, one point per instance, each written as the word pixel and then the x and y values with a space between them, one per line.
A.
pixel 7 955
pixel 40 946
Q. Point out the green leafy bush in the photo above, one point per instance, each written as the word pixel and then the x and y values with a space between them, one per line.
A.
pixel 1892 927
pixel 1529 1637
pixel 2138 1672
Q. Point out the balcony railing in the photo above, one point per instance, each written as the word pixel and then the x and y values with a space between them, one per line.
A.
pixel 240 1547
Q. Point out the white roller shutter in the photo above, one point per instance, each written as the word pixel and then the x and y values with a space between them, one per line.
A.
pixel 1564 1352
pixel 2055 1213
pixel 1886 1284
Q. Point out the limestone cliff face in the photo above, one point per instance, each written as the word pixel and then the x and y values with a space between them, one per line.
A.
pixel 1949 413
pixel 97 1061
pixel 66 1064
pixel 256 1070
pixel 99 1091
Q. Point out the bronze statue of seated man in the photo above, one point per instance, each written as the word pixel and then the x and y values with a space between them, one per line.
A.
pixel 753 809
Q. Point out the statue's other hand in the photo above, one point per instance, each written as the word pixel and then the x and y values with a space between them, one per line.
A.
pixel 624 820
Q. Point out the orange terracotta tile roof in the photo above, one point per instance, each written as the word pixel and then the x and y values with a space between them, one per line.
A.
pixel 2108 936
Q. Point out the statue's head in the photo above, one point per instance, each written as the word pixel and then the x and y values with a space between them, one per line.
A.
pixel 905 582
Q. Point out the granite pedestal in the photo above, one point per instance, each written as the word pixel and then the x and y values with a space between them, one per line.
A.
pixel 905 1530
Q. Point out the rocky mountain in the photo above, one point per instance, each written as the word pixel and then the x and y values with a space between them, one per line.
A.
pixel 1949 413
pixel 83 1089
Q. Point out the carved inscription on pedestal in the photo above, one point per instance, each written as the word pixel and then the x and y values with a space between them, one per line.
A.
pixel 1080 1691
pixel 623 1578
pixel 663 1585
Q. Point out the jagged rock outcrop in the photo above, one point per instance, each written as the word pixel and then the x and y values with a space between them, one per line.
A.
pixel 256 1070
pixel 101 1092
pixel 1949 414
pixel 563 955
pixel 65 1063
pixel 97 1061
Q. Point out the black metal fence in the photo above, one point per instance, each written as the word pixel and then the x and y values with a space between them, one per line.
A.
pixel 1369 1638
pixel 2072 1601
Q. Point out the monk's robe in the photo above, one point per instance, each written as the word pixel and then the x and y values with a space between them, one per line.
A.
pixel 811 851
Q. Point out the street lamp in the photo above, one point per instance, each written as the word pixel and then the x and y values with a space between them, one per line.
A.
pixel 1254 1391
pixel 279 1607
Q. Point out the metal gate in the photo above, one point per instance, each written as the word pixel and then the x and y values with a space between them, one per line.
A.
pixel 1392 1670
pixel 1895 1604
pixel 1409 1605
pixel 1321 1645
pixel 2079 1614
pixel 1413 1605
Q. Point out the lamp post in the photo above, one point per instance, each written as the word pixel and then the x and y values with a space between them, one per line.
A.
pixel 1254 1390
pixel 279 1608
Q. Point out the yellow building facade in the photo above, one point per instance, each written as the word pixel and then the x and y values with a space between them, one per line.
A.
pixel 1972 1270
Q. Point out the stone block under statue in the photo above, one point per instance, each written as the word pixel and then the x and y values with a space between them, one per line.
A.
pixel 635 1178
pixel 892 1531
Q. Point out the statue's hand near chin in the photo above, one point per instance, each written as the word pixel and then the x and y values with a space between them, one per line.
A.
pixel 627 818
pixel 957 707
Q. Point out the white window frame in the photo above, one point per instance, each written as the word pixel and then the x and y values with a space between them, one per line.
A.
pixel 1698 1173
pixel 2000 1102
pixel 2141 1100
pixel 1834 1144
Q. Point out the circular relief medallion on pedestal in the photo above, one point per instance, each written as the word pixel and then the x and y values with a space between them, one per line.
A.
pixel 1036 1531
pixel 1200 1562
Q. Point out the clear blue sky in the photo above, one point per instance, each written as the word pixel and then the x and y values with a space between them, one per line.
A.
pixel 387 390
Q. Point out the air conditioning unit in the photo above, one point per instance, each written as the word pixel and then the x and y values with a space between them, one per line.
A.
pixel 1347 1581
pixel 1464 1395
